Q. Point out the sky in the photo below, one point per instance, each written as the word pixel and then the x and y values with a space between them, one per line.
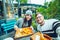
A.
pixel 40 2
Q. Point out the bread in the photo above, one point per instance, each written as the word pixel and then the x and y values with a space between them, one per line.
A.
pixel 23 32
pixel 42 36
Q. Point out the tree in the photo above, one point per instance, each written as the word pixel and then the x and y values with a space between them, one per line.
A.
pixel 54 7
pixel 22 1
pixel 52 10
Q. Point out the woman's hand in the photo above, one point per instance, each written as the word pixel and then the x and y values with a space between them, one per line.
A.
pixel 15 27
pixel 32 29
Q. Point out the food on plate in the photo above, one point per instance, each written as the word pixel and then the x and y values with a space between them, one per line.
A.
pixel 23 32
pixel 42 36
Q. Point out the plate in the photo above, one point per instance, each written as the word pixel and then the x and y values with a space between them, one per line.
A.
pixel 42 36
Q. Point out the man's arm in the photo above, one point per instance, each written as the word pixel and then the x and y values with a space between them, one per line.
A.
pixel 58 30
pixel 56 25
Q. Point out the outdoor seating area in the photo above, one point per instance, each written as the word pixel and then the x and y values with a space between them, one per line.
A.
pixel 29 19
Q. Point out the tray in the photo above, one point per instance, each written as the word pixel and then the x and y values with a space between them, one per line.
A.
pixel 23 32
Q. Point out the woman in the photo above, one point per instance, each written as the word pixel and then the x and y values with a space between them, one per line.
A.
pixel 24 22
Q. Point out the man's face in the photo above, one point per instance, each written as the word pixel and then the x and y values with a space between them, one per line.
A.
pixel 28 17
pixel 39 18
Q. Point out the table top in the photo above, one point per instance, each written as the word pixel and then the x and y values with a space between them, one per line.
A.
pixel 28 37
pixel 24 38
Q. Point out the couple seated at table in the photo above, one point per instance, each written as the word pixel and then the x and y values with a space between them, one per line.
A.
pixel 45 26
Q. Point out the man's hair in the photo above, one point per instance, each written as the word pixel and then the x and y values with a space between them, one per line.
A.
pixel 37 13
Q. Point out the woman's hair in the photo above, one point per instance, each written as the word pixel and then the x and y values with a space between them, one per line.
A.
pixel 29 22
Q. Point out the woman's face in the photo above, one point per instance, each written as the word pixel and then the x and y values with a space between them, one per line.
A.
pixel 28 17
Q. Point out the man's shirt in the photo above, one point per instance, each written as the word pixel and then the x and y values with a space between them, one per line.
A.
pixel 47 25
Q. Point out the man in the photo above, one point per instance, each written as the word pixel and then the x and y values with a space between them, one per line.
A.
pixel 47 26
